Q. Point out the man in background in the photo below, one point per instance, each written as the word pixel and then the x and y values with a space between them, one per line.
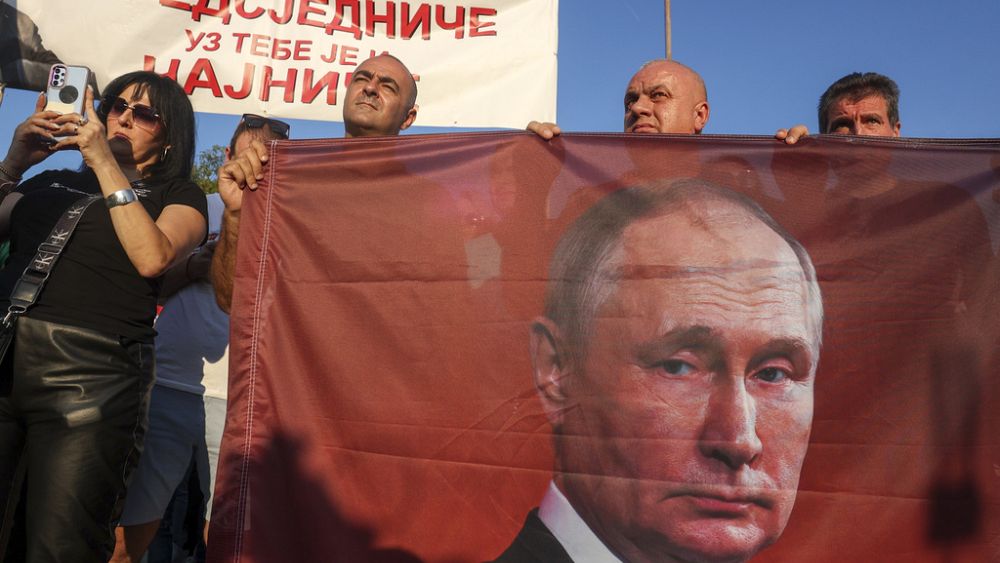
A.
pixel 380 101
pixel 861 104
pixel 865 104
pixel 662 97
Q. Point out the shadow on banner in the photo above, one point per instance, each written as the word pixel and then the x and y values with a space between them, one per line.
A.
pixel 467 347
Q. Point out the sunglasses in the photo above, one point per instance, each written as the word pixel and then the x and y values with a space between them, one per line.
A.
pixel 143 115
pixel 280 128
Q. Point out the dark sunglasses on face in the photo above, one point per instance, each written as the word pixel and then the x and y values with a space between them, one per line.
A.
pixel 143 115
pixel 279 128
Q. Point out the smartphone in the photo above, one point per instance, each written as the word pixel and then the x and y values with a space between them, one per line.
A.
pixel 66 87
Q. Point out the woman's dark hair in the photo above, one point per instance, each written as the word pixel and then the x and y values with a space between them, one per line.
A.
pixel 169 100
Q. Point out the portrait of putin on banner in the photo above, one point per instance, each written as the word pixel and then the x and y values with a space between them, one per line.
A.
pixel 576 350
pixel 675 362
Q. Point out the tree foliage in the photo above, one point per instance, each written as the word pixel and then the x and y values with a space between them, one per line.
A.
pixel 206 167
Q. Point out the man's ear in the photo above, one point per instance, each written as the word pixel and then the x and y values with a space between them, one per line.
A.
pixel 701 113
pixel 411 116
pixel 228 156
pixel 549 367
pixel 896 128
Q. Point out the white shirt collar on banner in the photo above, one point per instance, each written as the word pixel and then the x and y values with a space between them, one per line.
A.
pixel 559 516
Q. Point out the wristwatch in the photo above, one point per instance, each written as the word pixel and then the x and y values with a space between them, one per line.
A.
pixel 121 197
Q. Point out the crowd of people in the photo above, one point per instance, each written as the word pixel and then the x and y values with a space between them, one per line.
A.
pixel 93 443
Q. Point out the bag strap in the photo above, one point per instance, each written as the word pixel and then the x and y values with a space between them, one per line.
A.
pixel 29 286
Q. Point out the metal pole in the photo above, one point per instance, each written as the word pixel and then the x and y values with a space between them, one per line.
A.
pixel 666 11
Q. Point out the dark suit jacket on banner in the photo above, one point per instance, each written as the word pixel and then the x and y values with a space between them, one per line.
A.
pixel 534 544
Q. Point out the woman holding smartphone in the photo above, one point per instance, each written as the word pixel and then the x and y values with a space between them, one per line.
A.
pixel 79 372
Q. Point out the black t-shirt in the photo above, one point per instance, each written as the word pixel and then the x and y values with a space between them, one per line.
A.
pixel 94 284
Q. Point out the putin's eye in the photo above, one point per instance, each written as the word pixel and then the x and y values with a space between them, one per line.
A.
pixel 676 368
pixel 772 375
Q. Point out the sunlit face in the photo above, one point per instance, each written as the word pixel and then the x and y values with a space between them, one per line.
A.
pixel 133 145
pixel 665 97
pixel 684 433
pixel 377 101
pixel 868 116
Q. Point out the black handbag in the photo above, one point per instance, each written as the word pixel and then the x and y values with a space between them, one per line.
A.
pixel 29 286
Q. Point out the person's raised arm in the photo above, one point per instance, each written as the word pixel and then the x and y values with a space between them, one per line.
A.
pixel 151 246
pixel 32 143
pixel 234 176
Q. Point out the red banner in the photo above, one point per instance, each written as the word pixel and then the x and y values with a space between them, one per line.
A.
pixel 434 335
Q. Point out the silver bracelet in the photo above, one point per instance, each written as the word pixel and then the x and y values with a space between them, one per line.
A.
pixel 121 197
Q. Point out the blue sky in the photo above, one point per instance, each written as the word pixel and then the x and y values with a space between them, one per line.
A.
pixel 765 64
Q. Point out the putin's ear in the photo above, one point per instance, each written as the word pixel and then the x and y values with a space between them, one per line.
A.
pixel 701 113
pixel 549 367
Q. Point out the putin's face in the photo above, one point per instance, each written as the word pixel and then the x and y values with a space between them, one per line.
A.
pixel 682 434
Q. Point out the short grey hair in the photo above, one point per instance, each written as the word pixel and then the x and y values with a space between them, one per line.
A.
pixel 579 278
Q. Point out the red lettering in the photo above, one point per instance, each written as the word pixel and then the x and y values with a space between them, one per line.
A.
pixel 312 89
pixel 303 48
pixel 349 55
pixel 149 64
pixel 239 41
pixel 336 24
pixel 211 81
pixel 245 87
pixel 331 57
pixel 476 25
pixel 280 52
pixel 458 24
pixel 202 8
pixel 288 84
pixel 243 13
pixel 388 19
pixel 214 39
pixel 285 16
pixel 193 40
pixel 421 18
pixel 305 10
pixel 175 4
pixel 258 45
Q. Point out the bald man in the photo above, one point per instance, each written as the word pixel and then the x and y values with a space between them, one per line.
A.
pixel 662 97
pixel 381 101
